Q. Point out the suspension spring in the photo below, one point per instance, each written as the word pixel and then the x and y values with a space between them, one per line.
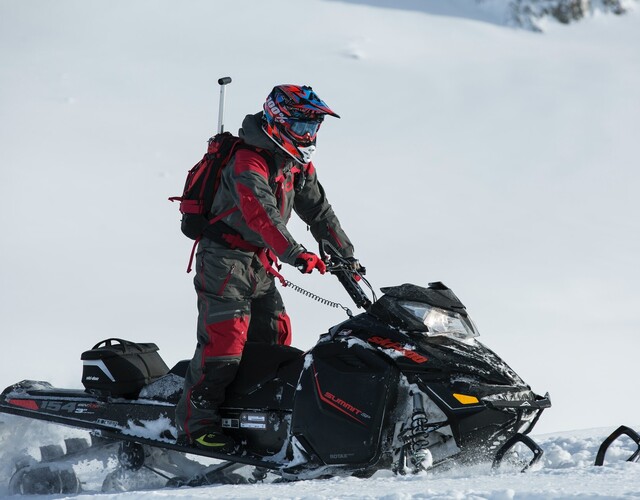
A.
pixel 415 437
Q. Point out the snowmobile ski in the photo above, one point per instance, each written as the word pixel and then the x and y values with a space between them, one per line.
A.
pixel 623 430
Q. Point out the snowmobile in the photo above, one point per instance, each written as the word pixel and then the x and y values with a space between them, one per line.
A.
pixel 404 385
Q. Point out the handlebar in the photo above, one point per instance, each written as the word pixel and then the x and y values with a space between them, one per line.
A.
pixel 349 277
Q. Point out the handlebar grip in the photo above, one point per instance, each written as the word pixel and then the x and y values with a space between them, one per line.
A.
pixel 353 289
pixel 224 80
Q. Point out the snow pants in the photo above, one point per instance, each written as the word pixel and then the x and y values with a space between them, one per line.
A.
pixel 237 302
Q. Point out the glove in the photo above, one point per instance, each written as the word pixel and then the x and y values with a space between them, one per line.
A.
pixel 307 262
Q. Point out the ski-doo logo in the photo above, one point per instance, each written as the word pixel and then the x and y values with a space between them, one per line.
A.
pixel 278 115
pixel 396 346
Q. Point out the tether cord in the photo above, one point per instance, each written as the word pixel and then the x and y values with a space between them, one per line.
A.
pixel 322 300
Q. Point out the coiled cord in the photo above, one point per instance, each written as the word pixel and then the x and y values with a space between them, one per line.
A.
pixel 317 298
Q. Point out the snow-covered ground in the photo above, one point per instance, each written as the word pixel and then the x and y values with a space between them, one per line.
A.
pixel 567 471
pixel 499 161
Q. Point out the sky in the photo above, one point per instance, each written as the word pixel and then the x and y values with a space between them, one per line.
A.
pixel 499 161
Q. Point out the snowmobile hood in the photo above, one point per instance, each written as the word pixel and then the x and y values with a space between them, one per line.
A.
pixel 473 363
pixel 418 353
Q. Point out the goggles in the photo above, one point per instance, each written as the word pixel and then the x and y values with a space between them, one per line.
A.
pixel 304 128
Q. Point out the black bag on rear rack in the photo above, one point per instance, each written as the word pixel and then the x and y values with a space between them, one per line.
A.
pixel 118 367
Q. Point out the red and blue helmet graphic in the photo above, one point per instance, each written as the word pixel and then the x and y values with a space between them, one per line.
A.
pixel 292 116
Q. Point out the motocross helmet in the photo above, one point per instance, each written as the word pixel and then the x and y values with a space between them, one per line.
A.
pixel 291 118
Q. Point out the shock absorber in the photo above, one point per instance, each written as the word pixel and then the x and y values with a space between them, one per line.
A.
pixel 415 438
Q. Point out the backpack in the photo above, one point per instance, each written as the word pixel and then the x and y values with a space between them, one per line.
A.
pixel 202 183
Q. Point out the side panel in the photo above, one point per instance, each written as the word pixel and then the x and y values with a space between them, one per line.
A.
pixel 341 402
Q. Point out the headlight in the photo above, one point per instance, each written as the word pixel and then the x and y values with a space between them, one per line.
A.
pixel 442 322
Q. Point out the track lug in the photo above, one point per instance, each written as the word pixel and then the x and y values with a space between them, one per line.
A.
pixel 131 455
pixel 75 445
pixel 44 479
pixel 51 452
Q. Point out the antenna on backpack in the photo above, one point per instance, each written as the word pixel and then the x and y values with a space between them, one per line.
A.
pixel 223 82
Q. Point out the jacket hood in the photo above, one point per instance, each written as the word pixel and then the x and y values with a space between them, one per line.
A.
pixel 252 133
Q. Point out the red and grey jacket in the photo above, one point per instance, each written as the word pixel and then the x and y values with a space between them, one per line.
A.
pixel 266 185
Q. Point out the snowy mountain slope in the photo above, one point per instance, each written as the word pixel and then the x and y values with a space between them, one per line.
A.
pixel 567 472
pixel 496 160
pixel 532 15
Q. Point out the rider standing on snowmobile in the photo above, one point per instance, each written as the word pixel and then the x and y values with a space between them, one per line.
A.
pixel 237 297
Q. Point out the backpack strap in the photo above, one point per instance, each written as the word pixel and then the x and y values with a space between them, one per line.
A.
pixel 263 256
pixel 212 221
pixel 266 155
